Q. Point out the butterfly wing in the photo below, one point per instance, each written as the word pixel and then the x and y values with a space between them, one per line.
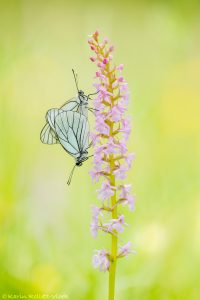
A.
pixel 83 134
pixel 75 104
pixel 65 133
pixel 72 130
pixel 80 127
pixel 71 104
pixel 51 115
pixel 48 136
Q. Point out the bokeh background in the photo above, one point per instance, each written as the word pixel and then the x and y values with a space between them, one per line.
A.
pixel 45 243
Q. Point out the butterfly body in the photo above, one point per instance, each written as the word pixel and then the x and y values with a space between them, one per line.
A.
pixel 78 104
pixel 83 157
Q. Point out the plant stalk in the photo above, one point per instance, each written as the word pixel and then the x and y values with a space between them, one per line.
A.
pixel 113 258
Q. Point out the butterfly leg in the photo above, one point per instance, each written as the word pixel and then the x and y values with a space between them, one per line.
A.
pixel 92 109
pixel 88 96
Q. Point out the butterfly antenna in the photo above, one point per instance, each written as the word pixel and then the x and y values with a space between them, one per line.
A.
pixel 75 78
pixel 88 96
pixel 70 176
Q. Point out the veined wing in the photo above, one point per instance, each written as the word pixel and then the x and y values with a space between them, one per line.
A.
pixel 71 104
pixel 74 104
pixel 83 134
pixel 72 130
pixel 48 136
pixel 50 117
pixel 80 127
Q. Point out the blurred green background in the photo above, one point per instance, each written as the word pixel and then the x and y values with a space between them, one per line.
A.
pixel 45 243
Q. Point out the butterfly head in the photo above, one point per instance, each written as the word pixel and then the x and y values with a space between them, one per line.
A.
pixel 83 157
pixel 83 98
pixel 81 93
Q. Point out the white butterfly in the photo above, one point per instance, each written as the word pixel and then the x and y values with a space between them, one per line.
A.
pixel 78 104
pixel 71 130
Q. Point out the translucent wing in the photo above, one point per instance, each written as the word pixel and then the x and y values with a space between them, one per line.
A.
pixel 76 105
pixel 71 104
pixel 72 130
pixel 48 136
pixel 51 115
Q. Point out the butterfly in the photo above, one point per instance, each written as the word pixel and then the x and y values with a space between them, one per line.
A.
pixel 69 127
pixel 72 130
pixel 78 104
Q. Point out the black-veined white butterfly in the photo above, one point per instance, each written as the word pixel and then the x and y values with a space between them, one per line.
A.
pixel 69 127
pixel 78 104
pixel 71 130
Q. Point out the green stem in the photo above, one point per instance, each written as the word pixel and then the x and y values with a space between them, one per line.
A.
pixel 112 270
pixel 113 258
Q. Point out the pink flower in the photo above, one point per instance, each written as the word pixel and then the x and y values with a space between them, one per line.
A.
pixel 106 191
pixel 98 105
pixel 105 61
pixel 100 75
pixel 120 172
pixel 101 260
pixel 93 48
pixel 95 138
pixel 110 57
pixel 98 157
pixel 101 65
pixel 101 126
pixel 125 250
pixel 111 48
pixel 92 58
pixel 117 224
pixel 123 87
pixel 125 195
pixel 90 41
pixel 110 147
pixel 130 201
pixel 120 79
pixel 117 112
pixel 129 158
pixel 125 98
pixel 120 67
pixel 125 190
pixel 104 92
pixel 125 128
pixel 94 228
pixel 122 147
pixel 96 211
pixel 95 175
pixel 95 35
